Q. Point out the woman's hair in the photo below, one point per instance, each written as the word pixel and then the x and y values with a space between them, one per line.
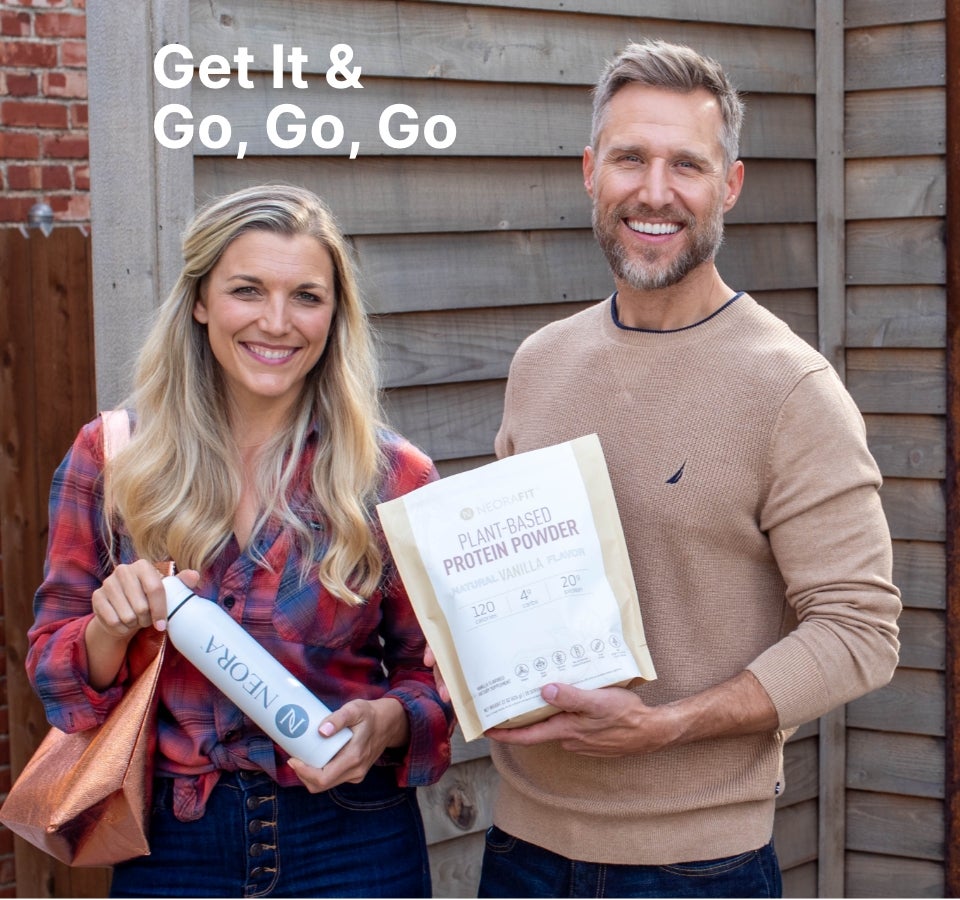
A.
pixel 177 484
pixel 673 67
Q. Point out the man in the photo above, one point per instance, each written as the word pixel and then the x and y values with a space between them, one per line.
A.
pixel 750 506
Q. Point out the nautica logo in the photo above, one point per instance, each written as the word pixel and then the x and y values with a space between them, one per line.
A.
pixel 676 476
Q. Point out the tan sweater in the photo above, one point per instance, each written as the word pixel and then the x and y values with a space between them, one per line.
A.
pixel 749 504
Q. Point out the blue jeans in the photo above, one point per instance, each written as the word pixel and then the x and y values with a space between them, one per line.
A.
pixel 514 868
pixel 257 839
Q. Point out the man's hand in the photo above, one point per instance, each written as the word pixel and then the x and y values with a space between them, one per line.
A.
pixel 605 722
pixel 616 722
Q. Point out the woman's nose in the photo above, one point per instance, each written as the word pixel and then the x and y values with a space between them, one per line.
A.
pixel 274 317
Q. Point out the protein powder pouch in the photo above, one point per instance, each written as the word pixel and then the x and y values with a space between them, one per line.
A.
pixel 519 576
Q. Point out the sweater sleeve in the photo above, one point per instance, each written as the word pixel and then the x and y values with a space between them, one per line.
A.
pixel 822 513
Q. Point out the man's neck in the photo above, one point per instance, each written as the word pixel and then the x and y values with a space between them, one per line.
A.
pixel 691 300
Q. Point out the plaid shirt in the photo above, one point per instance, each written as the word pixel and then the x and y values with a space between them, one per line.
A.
pixel 338 651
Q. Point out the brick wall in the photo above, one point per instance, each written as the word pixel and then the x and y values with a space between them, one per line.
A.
pixel 43 110
pixel 43 156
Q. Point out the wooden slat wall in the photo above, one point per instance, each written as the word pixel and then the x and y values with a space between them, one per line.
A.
pixel 895 199
pixel 46 394
pixel 465 251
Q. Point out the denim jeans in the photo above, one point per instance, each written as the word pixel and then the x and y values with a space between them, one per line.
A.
pixel 514 868
pixel 257 839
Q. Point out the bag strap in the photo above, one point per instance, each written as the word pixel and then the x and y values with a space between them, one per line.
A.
pixel 116 431
pixel 116 436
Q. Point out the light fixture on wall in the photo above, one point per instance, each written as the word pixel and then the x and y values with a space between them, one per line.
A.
pixel 41 216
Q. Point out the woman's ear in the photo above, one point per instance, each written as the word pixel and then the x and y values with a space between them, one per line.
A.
pixel 200 313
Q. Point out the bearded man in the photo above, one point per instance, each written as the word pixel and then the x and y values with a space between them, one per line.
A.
pixel 750 505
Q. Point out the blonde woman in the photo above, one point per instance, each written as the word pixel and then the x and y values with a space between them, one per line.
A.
pixel 256 459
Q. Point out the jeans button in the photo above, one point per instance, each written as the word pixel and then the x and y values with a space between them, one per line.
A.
pixel 255 827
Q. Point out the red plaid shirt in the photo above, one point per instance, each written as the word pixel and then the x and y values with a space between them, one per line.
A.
pixel 338 651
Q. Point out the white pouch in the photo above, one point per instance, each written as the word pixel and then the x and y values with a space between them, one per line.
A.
pixel 519 575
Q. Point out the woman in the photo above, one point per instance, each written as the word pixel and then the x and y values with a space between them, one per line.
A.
pixel 255 465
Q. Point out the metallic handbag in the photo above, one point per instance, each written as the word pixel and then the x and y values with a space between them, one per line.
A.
pixel 84 798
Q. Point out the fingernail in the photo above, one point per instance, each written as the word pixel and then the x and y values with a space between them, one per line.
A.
pixel 160 625
pixel 327 729
pixel 549 693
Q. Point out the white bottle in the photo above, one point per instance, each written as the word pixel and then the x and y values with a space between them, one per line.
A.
pixel 236 664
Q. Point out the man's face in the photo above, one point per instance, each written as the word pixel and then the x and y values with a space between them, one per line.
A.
pixel 659 184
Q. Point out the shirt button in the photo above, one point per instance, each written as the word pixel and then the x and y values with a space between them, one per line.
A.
pixel 228 602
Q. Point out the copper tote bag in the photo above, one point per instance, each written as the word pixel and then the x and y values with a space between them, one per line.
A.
pixel 84 798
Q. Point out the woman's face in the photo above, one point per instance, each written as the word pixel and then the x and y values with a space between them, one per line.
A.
pixel 268 304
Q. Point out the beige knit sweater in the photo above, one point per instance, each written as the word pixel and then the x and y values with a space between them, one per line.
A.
pixel 750 507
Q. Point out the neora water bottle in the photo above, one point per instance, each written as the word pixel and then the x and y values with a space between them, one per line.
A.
pixel 236 664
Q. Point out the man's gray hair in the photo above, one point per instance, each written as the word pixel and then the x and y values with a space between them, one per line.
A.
pixel 674 67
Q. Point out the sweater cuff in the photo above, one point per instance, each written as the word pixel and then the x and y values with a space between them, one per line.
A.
pixel 794 681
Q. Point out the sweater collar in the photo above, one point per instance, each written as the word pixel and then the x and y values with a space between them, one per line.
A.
pixel 622 327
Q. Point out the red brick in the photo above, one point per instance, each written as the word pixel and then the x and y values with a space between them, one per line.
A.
pixel 15 209
pixel 78 115
pixel 14 24
pixel 25 114
pixel 20 85
pixel 81 181
pixel 19 145
pixel 65 84
pixel 28 54
pixel 39 4
pixel 73 208
pixel 23 178
pixel 67 146
pixel 54 178
pixel 73 54
pixel 60 25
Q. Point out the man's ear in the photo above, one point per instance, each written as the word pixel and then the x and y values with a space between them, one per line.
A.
pixel 734 185
pixel 588 163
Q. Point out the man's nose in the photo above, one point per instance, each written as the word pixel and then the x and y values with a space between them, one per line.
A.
pixel 656 189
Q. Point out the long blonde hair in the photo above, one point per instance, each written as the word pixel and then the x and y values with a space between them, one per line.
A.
pixel 177 484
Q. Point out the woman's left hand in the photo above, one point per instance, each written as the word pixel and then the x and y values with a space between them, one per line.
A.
pixel 376 725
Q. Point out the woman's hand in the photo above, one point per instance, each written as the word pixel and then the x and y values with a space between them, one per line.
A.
pixel 131 597
pixel 376 725
pixel 430 661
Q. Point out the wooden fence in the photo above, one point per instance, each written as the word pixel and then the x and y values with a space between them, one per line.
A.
pixel 46 394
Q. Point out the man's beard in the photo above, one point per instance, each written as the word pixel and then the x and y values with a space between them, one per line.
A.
pixel 644 271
